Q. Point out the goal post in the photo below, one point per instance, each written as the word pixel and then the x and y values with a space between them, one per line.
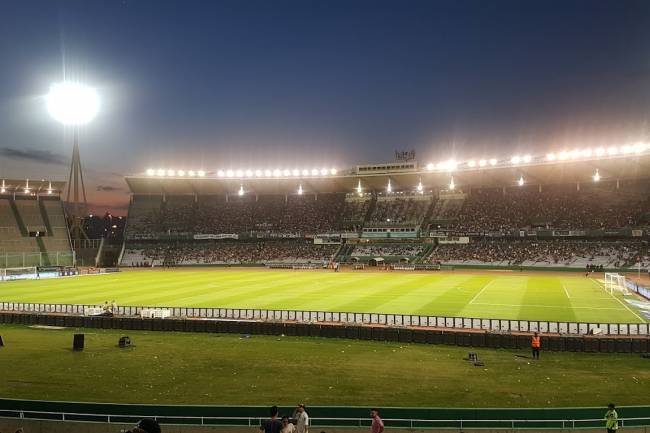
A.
pixel 614 282
pixel 22 273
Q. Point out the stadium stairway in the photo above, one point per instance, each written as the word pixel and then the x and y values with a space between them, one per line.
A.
pixel 19 219
pixel 371 209
pixel 45 217
pixel 425 254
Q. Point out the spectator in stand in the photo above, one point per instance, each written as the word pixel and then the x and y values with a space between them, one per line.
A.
pixel 273 424
pixel 377 423
pixel 611 418
pixel 302 419
pixel 287 426
pixel 146 425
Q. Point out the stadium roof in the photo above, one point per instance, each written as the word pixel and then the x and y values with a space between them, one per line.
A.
pixel 376 177
pixel 19 186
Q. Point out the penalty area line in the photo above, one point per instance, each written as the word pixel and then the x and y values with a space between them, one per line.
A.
pixel 566 291
pixel 601 285
pixel 480 292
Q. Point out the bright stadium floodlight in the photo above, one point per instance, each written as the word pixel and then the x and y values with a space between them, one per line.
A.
pixel 574 154
pixel 482 163
pixel 563 155
pixel 220 173
pixel 389 187
pixel 586 153
pixel 305 172
pixel 249 173
pixel 171 173
pixel 430 166
pixel 286 172
pixel 268 173
pixel 160 172
pixel 493 162
pixel 627 149
pixel 277 172
pixel 72 103
pixel 527 158
pixel 515 159
pixel 314 172
pixel 239 173
pixel 452 185
pixel 258 173
pixel 151 172
pixel 181 173
pixel 230 173
pixel 471 163
pixel 639 147
pixel 3 188
pixel 419 187
pixel 333 171
pixel 324 171
pixel 597 176
pixel 612 150
pixel 520 182
pixel 359 189
pixel 550 157
pixel 600 151
pixel 241 190
pixel 191 173
pixel 300 189
pixel 201 173
pixel 295 172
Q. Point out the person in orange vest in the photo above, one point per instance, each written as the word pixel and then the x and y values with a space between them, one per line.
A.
pixel 535 344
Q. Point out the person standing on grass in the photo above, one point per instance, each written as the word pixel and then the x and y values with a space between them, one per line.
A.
pixel 535 344
pixel 611 419
pixel 273 424
pixel 377 423
pixel 302 419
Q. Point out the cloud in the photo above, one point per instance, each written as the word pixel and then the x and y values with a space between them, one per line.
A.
pixel 108 188
pixel 41 156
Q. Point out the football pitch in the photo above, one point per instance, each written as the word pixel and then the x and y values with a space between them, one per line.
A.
pixel 499 295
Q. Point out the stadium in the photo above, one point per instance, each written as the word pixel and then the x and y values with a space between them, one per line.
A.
pixel 411 266
pixel 324 216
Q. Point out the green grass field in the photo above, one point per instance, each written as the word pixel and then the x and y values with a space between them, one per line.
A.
pixel 186 368
pixel 552 297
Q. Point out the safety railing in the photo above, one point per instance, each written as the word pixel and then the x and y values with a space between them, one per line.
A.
pixel 405 423
pixel 351 318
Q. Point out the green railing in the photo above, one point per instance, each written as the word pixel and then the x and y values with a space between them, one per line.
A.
pixel 326 416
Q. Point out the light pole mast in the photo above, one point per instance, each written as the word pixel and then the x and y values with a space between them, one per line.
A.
pixel 74 104
pixel 75 183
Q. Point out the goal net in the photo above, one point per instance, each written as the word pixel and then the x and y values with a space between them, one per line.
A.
pixel 615 282
pixel 25 273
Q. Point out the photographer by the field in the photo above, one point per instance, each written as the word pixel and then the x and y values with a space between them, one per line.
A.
pixel 146 425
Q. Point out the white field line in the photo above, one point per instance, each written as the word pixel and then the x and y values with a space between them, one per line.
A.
pixel 548 306
pixel 619 301
pixel 480 292
pixel 566 291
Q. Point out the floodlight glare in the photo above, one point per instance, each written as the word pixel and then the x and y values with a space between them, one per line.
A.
pixel 333 171
pixel 600 151
pixel 314 172
pixel 493 162
pixel 389 188
pixel 471 163
pixel 612 151
pixel 151 172
pixel 249 173
pixel 268 173
pixel 430 166
pixel 452 185
pixel 515 160
pixel 258 173
pixel 171 173
pixel 520 182
pixel 220 173
pixel 300 190
pixel 191 173
pixel 419 187
pixel 72 103
pixel 201 173
pixel 323 171
pixel 295 172
pixel 241 190
pixel 482 163
pixel 181 173
pixel 160 172
pixel 597 176
pixel 230 173
pixel 239 173
pixel 550 157
pixel 359 189
pixel 286 173
pixel 527 158
pixel 305 172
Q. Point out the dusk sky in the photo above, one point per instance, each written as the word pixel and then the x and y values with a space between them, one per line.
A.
pixel 266 84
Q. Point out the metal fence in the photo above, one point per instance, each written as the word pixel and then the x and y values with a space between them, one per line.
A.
pixel 368 319
pixel 404 423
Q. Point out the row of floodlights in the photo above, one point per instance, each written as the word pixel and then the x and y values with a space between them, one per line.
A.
pixel 26 188
pixel 564 155
pixel 239 174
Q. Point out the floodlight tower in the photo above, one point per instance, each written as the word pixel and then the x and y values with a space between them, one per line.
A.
pixel 74 104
